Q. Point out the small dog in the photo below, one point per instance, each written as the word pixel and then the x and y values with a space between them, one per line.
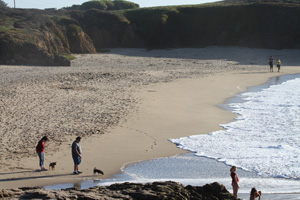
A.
pixel 98 171
pixel 52 165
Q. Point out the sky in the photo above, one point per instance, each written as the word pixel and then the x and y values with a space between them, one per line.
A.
pixel 41 4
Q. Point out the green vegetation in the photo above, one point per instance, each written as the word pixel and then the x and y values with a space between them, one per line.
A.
pixel 73 30
pixel 243 2
pixel 69 57
pixel 6 23
pixel 220 23
pixel 63 20
pixel 101 5
pixel 27 35
pixel 121 4
pixel 104 5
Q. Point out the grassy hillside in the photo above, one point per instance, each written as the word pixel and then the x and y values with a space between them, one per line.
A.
pixel 251 25
pixel 30 36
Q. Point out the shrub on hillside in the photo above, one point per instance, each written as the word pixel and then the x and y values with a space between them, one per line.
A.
pixel 109 4
pixel 104 5
pixel 122 4
pixel 93 4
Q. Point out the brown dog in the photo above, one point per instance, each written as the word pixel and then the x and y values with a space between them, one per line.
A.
pixel 52 165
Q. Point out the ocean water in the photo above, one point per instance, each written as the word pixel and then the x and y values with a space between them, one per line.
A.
pixel 263 142
pixel 193 170
pixel 265 136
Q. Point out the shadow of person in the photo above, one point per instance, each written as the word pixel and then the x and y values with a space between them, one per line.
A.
pixel 33 177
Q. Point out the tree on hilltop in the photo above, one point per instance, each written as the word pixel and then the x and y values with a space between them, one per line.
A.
pixel 101 5
pixel 3 4
pixel 122 4
pixel 104 5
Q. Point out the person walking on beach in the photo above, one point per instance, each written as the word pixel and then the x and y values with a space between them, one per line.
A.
pixel 254 194
pixel 271 63
pixel 278 63
pixel 76 155
pixel 40 150
pixel 235 181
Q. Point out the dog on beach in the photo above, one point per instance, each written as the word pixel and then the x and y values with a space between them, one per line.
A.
pixel 52 165
pixel 98 171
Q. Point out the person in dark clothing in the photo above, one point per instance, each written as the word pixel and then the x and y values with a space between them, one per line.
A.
pixel 76 155
pixel 271 63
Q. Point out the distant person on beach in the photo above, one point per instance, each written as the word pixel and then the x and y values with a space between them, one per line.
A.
pixel 254 194
pixel 278 63
pixel 76 155
pixel 235 181
pixel 40 150
pixel 271 63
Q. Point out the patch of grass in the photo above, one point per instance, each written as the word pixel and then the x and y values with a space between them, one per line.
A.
pixel 6 23
pixel 69 56
pixel 63 20
pixel 122 18
pixel 4 28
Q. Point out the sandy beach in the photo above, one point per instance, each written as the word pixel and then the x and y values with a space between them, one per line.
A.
pixel 125 104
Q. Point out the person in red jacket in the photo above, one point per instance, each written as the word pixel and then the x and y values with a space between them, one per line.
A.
pixel 40 150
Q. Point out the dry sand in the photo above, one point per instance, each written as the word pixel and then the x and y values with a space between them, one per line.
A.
pixel 125 104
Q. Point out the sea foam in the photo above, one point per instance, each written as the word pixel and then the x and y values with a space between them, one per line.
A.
pixel 264 137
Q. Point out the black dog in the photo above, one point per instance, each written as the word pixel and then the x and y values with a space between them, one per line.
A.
pixel 98 171
pixel 52 165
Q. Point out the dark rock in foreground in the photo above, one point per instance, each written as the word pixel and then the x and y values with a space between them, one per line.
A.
pixel 127 191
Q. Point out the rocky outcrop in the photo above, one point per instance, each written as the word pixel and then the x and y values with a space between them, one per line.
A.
pixel 127 191
pixel 32 37
pixel 77 40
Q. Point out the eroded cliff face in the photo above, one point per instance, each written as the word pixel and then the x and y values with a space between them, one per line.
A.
pixel 28 38
pixel 78 41
pixel 127 191
pixel 37 37
pixel 108 30
pixel 31 37
pixel 81 43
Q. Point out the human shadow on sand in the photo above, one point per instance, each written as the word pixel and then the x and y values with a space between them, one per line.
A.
pixel 35 177
pixel 20 172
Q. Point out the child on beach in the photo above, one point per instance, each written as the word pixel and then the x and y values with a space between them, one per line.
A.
pixel 40 150
pixel 235 181
pixel 254 194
